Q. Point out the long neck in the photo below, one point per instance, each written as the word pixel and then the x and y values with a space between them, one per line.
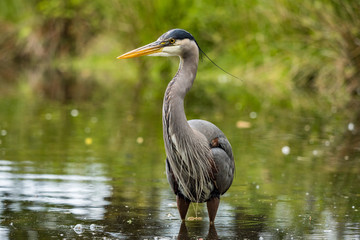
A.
pixel 173 106
pixel 187 151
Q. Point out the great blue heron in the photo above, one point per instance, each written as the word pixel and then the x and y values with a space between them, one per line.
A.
pixel 200 163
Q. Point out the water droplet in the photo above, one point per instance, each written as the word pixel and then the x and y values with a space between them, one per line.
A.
pixel 74 113
pixel 285 150
pixel 257 187
pixel 353 207
pixel 78 229
pixel 315 152
pixel 351 127
pixel 3 132
pixel 92 227
pixel 253 115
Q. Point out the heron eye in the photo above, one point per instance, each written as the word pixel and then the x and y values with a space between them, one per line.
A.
pixel 172 41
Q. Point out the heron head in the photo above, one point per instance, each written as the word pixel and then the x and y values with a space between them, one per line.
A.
pixel 175 42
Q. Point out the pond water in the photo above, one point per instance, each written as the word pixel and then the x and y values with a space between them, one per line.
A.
pixel 83 171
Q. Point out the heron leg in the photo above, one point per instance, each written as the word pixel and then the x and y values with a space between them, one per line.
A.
pixel 183 206
pixel 183 232
pixel 212 234
pixel 212 206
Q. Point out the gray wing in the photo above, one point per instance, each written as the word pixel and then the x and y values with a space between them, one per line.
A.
pixel 221 150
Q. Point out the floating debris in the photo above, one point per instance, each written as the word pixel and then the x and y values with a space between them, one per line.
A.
pixel 12 225
pixel 243 124
pixel 194 218
pixel 140 140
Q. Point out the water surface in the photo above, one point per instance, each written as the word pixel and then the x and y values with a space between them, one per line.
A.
pixel 84 171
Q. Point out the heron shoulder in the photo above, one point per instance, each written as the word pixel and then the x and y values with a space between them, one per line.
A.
pixel 208 129
pixel 215 137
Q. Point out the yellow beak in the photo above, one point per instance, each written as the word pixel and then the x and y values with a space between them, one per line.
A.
pixel 151 48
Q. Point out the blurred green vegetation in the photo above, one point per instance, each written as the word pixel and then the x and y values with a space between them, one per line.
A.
pixel 291 56
pixel 298 61
pixel 66 50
